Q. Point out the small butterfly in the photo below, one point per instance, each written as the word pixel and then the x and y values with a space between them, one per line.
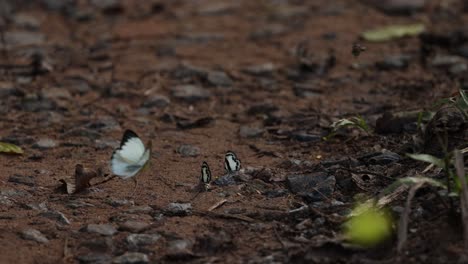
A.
pixel 231 162
pixel 205 173
pixel 131 157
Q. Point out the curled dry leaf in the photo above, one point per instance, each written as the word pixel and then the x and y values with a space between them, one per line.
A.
pixel 10 148
pixel 80 181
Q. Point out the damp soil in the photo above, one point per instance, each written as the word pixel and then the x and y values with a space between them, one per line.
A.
pixel 264 79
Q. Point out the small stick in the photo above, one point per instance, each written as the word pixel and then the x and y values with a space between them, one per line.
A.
pixel 460 168
pixel 105 180
pixel 218 204
pixel 403 226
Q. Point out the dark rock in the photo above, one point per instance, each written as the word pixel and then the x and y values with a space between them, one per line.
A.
pixel 190 93
pixel 138 240
pixel 450 123
pixel 225 180
pixel 264 108
pixel 276 193
pixel 94 258
pixel 201 122
pixel 395 62
pixel 250 132
pixel 101 244
pixel 313 187
pixel 102 229
pixel 45 143
pixel 219 78
pixel 158 101
pixel 389 123
pixel 108 6
pixel 187 150
pixel 178 209
pixel 134 226
pixel 35 235
pixel 131 258
pixel 384 158
pixel 20 179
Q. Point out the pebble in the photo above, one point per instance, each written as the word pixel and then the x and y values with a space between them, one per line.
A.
pixel 102 229
pixel 24 38
pixel 180 248
pixel 26 21
pixel 94 258
pixel 265 69
pixel 307 90
pixel 458 68
pixel 118 202
pixel 250 132
pixel 131 258
pixel 178 209
pixel 219 78
pixel 394 62
pixel 385 158
pixel 190 93
pixel 142 209
pixel 35 235
pixel 445 61
pixel 134 226
pixel 187 150
pixel 25 180
pixel 45 143
pixel 138 240
pixel 158 101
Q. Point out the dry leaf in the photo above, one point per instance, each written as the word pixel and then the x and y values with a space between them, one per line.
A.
pixel 80 181
pixel 10 148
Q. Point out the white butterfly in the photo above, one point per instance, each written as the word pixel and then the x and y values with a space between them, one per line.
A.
pixel 231 162
pixel 205 173
pixel 131 157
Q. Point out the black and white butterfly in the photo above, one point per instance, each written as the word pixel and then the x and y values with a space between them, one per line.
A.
pixel 205 173
pixel 231 162
pixel 131 157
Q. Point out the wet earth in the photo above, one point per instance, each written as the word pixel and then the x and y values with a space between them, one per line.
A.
pixel 264 79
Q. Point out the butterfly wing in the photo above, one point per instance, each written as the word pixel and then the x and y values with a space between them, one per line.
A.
pixel 205 173
pixel 130 157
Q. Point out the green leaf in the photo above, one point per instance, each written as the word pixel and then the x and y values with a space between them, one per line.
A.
pixel 393 32
pixel 369 227
pixel 428 158
pixel 10 148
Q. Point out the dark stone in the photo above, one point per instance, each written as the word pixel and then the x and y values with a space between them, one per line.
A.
pixel 94 258
pixel 312 187
pixel 178 209
pixel 20 179
pixel 384 158
pixel 395 62
pixel 134 226
pixel 187 150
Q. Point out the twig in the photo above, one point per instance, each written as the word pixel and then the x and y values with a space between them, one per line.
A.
pixel 227 216
pixel 403 226
pixel 460 168
pixel 218 204
pixel 279 238
pixel 105 180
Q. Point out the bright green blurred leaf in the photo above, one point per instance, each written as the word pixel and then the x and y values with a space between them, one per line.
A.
pixel 393 32
pixel 369 227
pixel 10 148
